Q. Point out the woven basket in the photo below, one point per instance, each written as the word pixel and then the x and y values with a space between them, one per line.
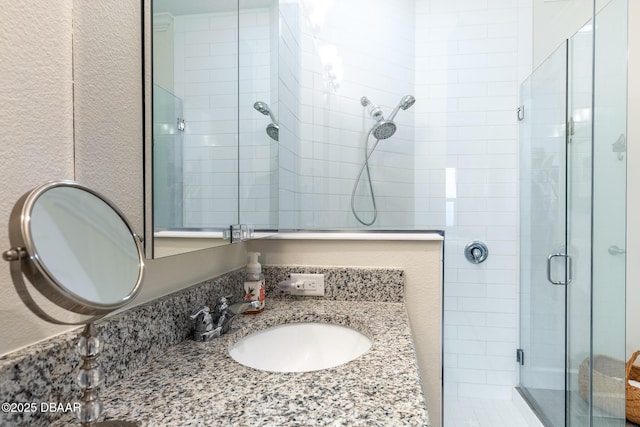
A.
pixel 633 393
pixel 608 393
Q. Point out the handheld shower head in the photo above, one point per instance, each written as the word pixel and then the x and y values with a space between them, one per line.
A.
pixel 263 108
pixel 273 129
pixel 405 103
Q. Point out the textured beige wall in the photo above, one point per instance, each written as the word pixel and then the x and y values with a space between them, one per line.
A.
pixel 37 130
pixel 422 263
pixel 37 69
pixel 107 54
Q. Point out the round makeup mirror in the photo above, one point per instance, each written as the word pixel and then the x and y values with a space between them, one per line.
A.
pixel 76 248
pixel 80 252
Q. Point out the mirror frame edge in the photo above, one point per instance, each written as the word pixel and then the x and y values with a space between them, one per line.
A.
pixel 38 273
pixel 147 131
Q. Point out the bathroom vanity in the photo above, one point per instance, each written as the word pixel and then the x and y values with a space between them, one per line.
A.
pixel 197 383
pixel 157 375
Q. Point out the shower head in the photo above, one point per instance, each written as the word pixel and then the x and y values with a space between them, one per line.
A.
pixel 263 108
pixel 273 130
pixel 405 103
pixel 384 129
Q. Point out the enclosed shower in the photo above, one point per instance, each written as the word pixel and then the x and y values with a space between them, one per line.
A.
pixel 572 219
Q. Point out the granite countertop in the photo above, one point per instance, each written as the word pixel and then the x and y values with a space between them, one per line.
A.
pixel 198 383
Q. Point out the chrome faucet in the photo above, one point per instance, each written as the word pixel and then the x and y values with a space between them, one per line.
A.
pixel 204 329
pixel 208 326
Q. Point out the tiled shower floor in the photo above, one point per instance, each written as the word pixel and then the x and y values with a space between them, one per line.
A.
pixel 496 413
pixel 460 412
pixel 549 399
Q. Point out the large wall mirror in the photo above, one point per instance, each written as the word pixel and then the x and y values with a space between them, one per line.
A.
pixel 267 111
pixel 211 122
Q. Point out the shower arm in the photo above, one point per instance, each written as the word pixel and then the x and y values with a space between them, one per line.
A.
pixel 273 119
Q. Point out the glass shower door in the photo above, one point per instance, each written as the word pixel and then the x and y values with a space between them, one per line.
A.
pixel 543 273
pixel 573 213
pixel 579 214
pixel 608 338
pixel 167 155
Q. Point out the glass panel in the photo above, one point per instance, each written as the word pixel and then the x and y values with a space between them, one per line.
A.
pixel 259 130
pixel 167 153
pixel 543 207
pixel 195 162
pixel 609 214
pixel 579 225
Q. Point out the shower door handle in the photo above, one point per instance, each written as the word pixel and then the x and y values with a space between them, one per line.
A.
pixel 568 269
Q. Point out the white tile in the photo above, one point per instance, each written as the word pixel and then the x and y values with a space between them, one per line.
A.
pixel 489 334
pixel 484 391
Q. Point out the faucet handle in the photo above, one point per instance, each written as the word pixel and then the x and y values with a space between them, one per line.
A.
pixel 223 304
pixel 203 320
pixel 204 310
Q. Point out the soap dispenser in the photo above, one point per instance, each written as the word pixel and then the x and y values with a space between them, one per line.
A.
pixel 254 285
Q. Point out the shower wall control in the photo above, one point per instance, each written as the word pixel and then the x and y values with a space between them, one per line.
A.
pixel 476 252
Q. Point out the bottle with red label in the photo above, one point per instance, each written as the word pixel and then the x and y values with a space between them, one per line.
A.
pixel 254 285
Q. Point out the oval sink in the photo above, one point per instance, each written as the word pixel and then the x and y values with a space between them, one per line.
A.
pixel 300 347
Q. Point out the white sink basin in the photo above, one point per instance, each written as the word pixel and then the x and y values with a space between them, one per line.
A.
pixel 300 347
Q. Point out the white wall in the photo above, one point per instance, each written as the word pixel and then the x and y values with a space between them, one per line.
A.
pixel 471 57
pixel 554 21
pixel 163 56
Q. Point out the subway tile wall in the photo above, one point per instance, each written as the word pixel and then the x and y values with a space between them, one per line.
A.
pixel 258 153
pixel 471 56
pixel 206 79
pixel 341 51
pixel 217 56
pixel 289 110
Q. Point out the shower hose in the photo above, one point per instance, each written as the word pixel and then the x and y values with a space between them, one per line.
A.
pixel 365 166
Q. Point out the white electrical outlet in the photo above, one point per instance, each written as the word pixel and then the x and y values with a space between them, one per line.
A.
pixel 309 284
